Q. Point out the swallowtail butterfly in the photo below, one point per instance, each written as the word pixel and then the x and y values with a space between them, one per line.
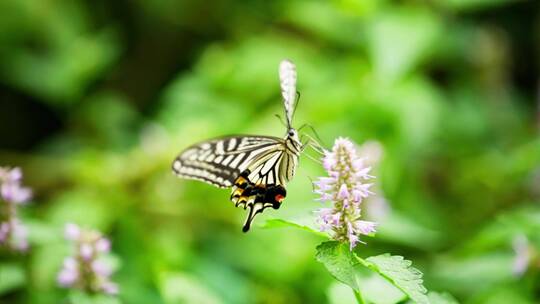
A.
pixel 257 168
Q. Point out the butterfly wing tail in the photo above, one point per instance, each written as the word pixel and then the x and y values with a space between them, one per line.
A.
pixel 254 209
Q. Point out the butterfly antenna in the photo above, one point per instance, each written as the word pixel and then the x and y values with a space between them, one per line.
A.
pixel 281 120
pixel 296 103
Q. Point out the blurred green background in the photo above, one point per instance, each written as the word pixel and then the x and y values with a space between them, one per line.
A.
pixel 98 97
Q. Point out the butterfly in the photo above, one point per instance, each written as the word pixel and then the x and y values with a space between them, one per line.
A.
pixel 256 168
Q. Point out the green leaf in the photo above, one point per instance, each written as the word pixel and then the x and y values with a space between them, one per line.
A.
pixel 11 277
pixel 340 262
pixel 376 289
pixel 279 223
pixel 400 273
pixel 441 298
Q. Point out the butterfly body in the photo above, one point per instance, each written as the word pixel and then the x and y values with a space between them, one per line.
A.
pixel 256 168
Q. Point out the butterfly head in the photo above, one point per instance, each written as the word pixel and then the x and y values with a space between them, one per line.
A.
pixel 292 141
pixel 292 133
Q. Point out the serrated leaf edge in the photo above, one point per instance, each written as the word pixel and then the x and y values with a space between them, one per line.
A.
pixel 412 272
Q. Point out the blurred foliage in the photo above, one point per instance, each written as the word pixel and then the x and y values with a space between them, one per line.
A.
pixel 97 98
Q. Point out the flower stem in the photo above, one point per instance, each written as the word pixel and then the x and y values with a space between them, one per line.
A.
pixel 358 297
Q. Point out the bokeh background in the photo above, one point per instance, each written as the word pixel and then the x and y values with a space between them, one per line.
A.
pixel 98 97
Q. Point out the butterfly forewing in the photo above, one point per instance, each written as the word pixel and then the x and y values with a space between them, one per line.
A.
pixel 220 161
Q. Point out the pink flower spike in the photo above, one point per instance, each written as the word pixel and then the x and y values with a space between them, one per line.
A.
pixel 12 233
pixel 103 245
pixel 348 173
pixel 87 269
pixel 72 232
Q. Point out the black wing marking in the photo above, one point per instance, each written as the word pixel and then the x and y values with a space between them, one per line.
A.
pixel 220 161
pixel 262 185
pixel 255 198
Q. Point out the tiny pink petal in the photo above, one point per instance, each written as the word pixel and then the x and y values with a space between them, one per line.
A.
pixel 329 162
pixel 364 227
pixel 86 251
pixel 103 245
pixel 101 268
pixel 343 192
pixel 72 232
pixel 14 175
pixel 110 288
pixel 67 277
pixel 71 263
pixel 363 173
pixel 522 257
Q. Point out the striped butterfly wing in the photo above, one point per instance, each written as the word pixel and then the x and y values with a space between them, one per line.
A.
pixel 220 161
pixel 256 167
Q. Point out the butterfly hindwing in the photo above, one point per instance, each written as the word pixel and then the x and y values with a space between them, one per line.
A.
pixel 255 197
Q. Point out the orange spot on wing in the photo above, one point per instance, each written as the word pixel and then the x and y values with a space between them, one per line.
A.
pixel 240 180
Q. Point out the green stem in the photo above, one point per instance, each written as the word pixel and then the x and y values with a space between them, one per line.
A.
pixel 358 297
